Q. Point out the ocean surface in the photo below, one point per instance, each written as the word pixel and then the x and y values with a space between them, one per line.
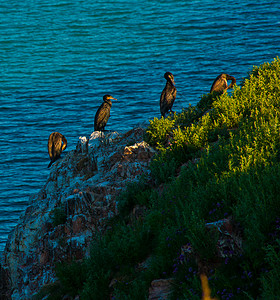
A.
pixel 59 57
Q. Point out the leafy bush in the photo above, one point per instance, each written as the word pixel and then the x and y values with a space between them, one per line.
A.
pixel 71 276
pixel 135 193
pixel 271 276
pixel 157 133
pixel 59 216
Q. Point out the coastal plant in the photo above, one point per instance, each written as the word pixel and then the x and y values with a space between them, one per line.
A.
pixel 71 277
pixel 124 290
pixel 135 193
pixel 271 275
pixel 59 216
pixel 158 131
pixel 163 170
pixel 54 290
pixel 113 256
pixel 218 160
pixel 191 114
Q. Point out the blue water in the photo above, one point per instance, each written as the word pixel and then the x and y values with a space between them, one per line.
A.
pixel 59 57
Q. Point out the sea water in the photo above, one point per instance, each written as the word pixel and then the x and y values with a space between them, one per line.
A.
pixel 59 57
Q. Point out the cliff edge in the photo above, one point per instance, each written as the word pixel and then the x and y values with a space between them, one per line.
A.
pixel 78 196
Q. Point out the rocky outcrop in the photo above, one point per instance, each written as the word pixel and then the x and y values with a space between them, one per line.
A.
pixel 161 289
pixel 79 195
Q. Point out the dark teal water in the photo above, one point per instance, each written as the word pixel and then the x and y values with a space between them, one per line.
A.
pixel 59 57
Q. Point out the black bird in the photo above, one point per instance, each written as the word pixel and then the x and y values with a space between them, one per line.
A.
pixel 103 113
pixel 168 94
pixel 55 146
pixel 220 84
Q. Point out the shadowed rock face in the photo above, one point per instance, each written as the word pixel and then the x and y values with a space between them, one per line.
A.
pixel 78 196
pixel 4 284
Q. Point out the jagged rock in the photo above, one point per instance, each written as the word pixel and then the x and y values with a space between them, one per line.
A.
pixel 160 289
pixel 78 196
pixel 229 242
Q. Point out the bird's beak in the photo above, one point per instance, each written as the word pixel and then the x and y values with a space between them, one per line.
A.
pixel 113 98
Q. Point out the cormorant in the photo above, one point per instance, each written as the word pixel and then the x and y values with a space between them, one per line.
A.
pixel 103 113
pixel 55 146
pixel 168 94
pixel 220 84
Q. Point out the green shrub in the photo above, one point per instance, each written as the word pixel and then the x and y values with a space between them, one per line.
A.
pixel 59 216
pixel 52 291
pixel 135 193
pixel 163 172
pixel 117 252
pixel 71 276
pixel 158 131
pixel 270 276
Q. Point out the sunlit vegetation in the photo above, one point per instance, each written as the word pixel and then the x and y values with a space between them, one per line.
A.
pixel 217 160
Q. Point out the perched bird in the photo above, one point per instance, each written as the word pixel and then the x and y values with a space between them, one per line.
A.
pixel 220 84
pixel 56 144
pixel 103 113
pixel 168 94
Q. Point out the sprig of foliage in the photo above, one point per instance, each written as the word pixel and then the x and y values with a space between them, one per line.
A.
pixel 59 216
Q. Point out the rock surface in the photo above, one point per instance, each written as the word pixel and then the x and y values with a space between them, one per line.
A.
pixel 78 197
pixel 161 289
